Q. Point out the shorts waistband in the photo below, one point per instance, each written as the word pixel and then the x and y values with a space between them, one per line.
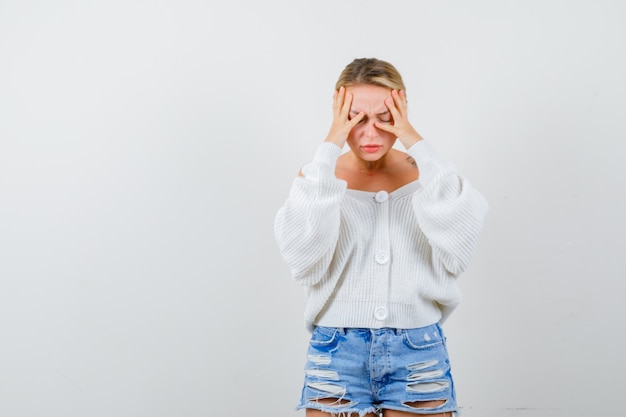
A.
pixel 397 331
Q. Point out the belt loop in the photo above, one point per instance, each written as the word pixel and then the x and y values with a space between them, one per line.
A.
pixel 342 330
pixel 399 332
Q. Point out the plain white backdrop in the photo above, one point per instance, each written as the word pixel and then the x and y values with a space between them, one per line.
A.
pixel 146 146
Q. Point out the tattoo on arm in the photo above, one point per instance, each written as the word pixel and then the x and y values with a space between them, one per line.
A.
pixel 411 161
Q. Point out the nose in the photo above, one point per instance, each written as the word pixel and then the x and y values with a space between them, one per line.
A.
pixel 370 129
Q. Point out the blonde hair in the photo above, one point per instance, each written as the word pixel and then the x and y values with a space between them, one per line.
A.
pixel 370 71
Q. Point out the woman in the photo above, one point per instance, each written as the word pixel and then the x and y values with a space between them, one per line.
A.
pixel 378 237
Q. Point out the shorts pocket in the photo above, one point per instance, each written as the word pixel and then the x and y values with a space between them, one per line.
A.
pixel 423 338
pixel 324 337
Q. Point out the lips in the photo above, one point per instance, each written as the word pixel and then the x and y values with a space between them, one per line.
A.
pixel 370 148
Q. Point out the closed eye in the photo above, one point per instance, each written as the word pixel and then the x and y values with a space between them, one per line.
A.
pixel 384 117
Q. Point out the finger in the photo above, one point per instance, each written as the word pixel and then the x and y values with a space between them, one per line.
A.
pixel 338 99
pixel 347 104
pixel 393 109
pixel 387 128
pixel 356 119
pixel 399 100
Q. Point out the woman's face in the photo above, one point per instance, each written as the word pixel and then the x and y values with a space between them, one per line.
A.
pixel 365 140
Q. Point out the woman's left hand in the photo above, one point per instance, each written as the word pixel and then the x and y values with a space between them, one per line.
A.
pixel 401 126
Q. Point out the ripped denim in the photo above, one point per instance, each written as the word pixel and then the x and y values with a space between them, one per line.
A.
pixel 360 371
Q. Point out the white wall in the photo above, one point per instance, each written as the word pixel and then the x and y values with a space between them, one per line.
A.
pixel 146 146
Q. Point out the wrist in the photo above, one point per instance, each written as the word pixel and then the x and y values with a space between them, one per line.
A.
pixel 409 141
pixel 336 141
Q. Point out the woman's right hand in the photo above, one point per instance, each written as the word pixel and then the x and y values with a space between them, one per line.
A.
pixel 342 124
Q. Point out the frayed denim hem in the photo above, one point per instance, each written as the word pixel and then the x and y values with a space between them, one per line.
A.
pixel 425 411
pixel 339 411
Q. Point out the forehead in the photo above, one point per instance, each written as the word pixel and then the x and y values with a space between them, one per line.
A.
pixel 369 97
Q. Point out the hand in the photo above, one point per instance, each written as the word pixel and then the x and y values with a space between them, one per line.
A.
pixel 401 126
pixel 342 124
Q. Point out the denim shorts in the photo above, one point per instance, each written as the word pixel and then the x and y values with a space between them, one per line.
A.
pixel 367 370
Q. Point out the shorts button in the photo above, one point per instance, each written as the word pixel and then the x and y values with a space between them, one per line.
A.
pixel 380 313
pixel 381 196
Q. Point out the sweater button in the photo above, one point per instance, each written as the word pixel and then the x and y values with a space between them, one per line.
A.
pixel 380 313
pixel 381 196
pixel 382 257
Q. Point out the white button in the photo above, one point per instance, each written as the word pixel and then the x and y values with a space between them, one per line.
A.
pixel 381 196
pixel 382 257
pixel 380 313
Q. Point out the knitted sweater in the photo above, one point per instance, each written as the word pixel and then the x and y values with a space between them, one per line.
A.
pixel 378 259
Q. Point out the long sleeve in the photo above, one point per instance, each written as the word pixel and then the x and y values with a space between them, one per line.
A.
pixel 306 227
pixel 449 210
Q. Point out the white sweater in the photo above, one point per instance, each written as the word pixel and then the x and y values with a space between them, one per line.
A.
pixel 375 260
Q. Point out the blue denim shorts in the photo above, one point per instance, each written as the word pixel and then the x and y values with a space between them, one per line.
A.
pixel 367 370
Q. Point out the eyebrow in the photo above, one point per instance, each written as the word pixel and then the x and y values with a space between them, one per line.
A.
pixel 377 114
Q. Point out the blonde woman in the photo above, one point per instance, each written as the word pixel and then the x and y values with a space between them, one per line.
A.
pixel 378 237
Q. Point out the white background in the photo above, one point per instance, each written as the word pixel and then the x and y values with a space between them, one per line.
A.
pixel 146 146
